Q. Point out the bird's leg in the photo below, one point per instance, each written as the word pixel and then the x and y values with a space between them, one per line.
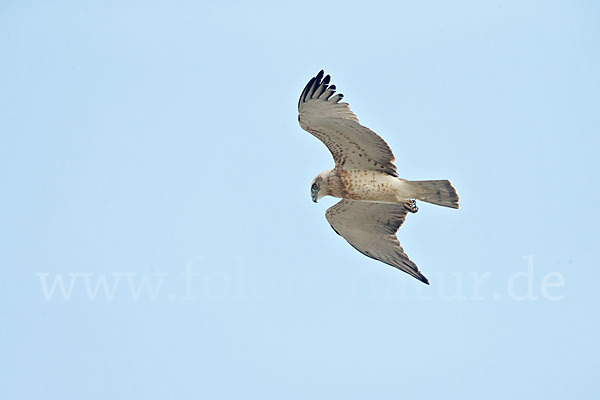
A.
pixel 411 205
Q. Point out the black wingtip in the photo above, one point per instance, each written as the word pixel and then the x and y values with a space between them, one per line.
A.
pixel 316 87
pixel 319 76
pixel 319 90
pixel 306 90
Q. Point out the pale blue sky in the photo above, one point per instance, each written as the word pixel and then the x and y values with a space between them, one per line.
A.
pixel 140 140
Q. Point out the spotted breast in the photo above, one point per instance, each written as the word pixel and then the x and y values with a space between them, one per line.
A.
pixel 374 186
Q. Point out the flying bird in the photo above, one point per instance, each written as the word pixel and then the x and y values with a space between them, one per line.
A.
pixel 375 201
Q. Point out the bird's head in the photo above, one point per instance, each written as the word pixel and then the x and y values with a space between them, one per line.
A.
pixel 318 187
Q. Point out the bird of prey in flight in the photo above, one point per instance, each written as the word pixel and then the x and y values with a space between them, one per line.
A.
pixel 375 201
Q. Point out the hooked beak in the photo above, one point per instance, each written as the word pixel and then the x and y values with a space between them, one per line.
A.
pixel 314 198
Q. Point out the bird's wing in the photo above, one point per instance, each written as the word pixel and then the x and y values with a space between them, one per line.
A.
pixel 352 145
pixel 371 229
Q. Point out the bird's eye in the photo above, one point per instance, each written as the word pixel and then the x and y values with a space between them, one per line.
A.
pixel 314 186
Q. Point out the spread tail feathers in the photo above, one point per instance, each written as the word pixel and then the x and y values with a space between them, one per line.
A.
pixel 441 193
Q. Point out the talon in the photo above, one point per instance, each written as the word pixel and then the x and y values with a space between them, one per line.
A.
pixel 411 205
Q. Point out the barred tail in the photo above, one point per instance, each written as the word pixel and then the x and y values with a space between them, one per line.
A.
pixel 441 193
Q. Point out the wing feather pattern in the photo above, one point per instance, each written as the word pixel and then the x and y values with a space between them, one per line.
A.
pixel 352 145
pixel 371 229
